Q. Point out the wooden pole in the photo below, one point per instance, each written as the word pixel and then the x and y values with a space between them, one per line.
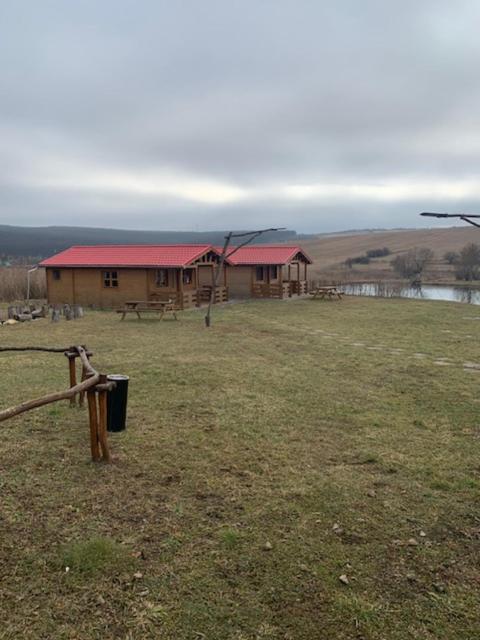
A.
pixel 250 235
pixel 93 418
pixel 48 399
pixel 81 395
pixel 102 421
pixel 73 377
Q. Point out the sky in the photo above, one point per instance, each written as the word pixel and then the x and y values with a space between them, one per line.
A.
pixel 233 114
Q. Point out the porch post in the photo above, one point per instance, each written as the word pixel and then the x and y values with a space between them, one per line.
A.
pixel 180 286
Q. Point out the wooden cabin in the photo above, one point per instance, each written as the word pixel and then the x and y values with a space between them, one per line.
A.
pixel 267 271
pixel 107 276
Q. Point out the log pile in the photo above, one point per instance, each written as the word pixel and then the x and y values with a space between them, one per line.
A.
pixel 92 384
pixel 25 313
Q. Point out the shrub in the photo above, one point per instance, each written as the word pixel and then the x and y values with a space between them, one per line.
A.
pixel 13 284
pixel 365 259
pixel 378 253
pixel 413 263
pixel 452 257
pixel 357 260
pixel 468 265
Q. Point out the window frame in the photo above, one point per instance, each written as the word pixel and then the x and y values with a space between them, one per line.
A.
pixel 56 275
pixel 260 269
pixel 110 279
pixel 187 277
pixel 161 283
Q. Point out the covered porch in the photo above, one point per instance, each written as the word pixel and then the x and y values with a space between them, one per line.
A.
pixel 280 281
pixel 188 286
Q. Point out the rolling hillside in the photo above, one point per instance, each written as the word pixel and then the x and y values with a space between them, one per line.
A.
pixel 330 252
pixel 40 242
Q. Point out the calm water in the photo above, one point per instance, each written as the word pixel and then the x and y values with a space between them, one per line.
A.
pixel 426 292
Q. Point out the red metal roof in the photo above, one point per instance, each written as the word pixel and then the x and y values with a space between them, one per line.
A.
pixel 265 254
pixel 133 255
pixel 168 255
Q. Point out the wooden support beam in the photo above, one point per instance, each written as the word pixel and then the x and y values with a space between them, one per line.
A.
pixel 102 418
pixel 93 419
pixel 73 378
pixel 48 399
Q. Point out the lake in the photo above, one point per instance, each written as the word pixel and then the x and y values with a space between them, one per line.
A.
pixel 464 294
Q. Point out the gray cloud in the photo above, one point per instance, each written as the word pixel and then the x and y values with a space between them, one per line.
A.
pixel 176 115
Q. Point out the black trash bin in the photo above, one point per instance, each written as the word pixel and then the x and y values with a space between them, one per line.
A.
pixel 117 403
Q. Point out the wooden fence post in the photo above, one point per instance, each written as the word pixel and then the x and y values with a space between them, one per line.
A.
pixel 102 422
pixel 73 375
pixel 93 418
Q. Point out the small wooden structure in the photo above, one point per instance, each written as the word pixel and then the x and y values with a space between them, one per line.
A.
pixel 267 271
pixel 141 306
pixel 107 276
pixel 328 292
pixel 92 384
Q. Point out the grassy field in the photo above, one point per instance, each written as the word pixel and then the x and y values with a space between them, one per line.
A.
pixel 303 470
pixel 330 252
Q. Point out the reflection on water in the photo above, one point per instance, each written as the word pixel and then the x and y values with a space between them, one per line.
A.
pixel 426 292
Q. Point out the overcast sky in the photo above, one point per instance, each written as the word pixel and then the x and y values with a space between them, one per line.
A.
pixel 203 114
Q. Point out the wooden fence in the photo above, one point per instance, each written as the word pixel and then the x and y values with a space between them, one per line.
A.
pixel 92 384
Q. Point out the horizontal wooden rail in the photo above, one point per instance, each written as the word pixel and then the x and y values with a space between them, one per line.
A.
pixel 51 397
pixel 94 384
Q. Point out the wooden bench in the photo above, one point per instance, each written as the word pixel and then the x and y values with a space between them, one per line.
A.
pixel 329 293
pixel 162 307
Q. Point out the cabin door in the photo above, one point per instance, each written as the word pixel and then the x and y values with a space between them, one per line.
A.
pixel 205 275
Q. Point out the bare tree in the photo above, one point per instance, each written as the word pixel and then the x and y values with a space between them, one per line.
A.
pixel 250 236
pixel 413 263
pixel 451 257
pixel 468 264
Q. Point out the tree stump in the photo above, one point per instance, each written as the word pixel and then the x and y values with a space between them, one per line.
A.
pixel 77 311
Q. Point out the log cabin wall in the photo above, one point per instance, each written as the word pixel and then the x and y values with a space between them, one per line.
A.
pixel 88 286
pixel 239 281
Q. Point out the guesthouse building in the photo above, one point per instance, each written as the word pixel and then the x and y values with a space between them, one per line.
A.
pixel 107 276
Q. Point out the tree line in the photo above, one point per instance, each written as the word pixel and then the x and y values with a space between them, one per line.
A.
pixel 413 263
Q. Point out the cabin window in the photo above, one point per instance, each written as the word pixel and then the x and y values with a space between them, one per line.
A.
pixel 57 274
pixel 274 272
pixel 259 274
pixel 187 277
pixel 161 278
pixel 110 279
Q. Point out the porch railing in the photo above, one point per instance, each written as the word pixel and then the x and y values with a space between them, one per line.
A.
pixel 299 287
pixel 221 294
pixel 279 290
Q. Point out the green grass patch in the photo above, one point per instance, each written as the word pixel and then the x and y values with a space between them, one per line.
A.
pixel 97 555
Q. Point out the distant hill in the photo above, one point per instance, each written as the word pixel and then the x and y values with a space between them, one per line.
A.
pixel 40 242
pixel 329 252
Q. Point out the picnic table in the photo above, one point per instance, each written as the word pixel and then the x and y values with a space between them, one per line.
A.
pixel 161 307
pixel 328 292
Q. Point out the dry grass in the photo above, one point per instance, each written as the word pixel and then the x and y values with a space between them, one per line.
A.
pixel 330 252
pixel 13 284
pixel 324 429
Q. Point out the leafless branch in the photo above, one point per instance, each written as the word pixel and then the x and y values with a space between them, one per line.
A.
pixel 250 235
